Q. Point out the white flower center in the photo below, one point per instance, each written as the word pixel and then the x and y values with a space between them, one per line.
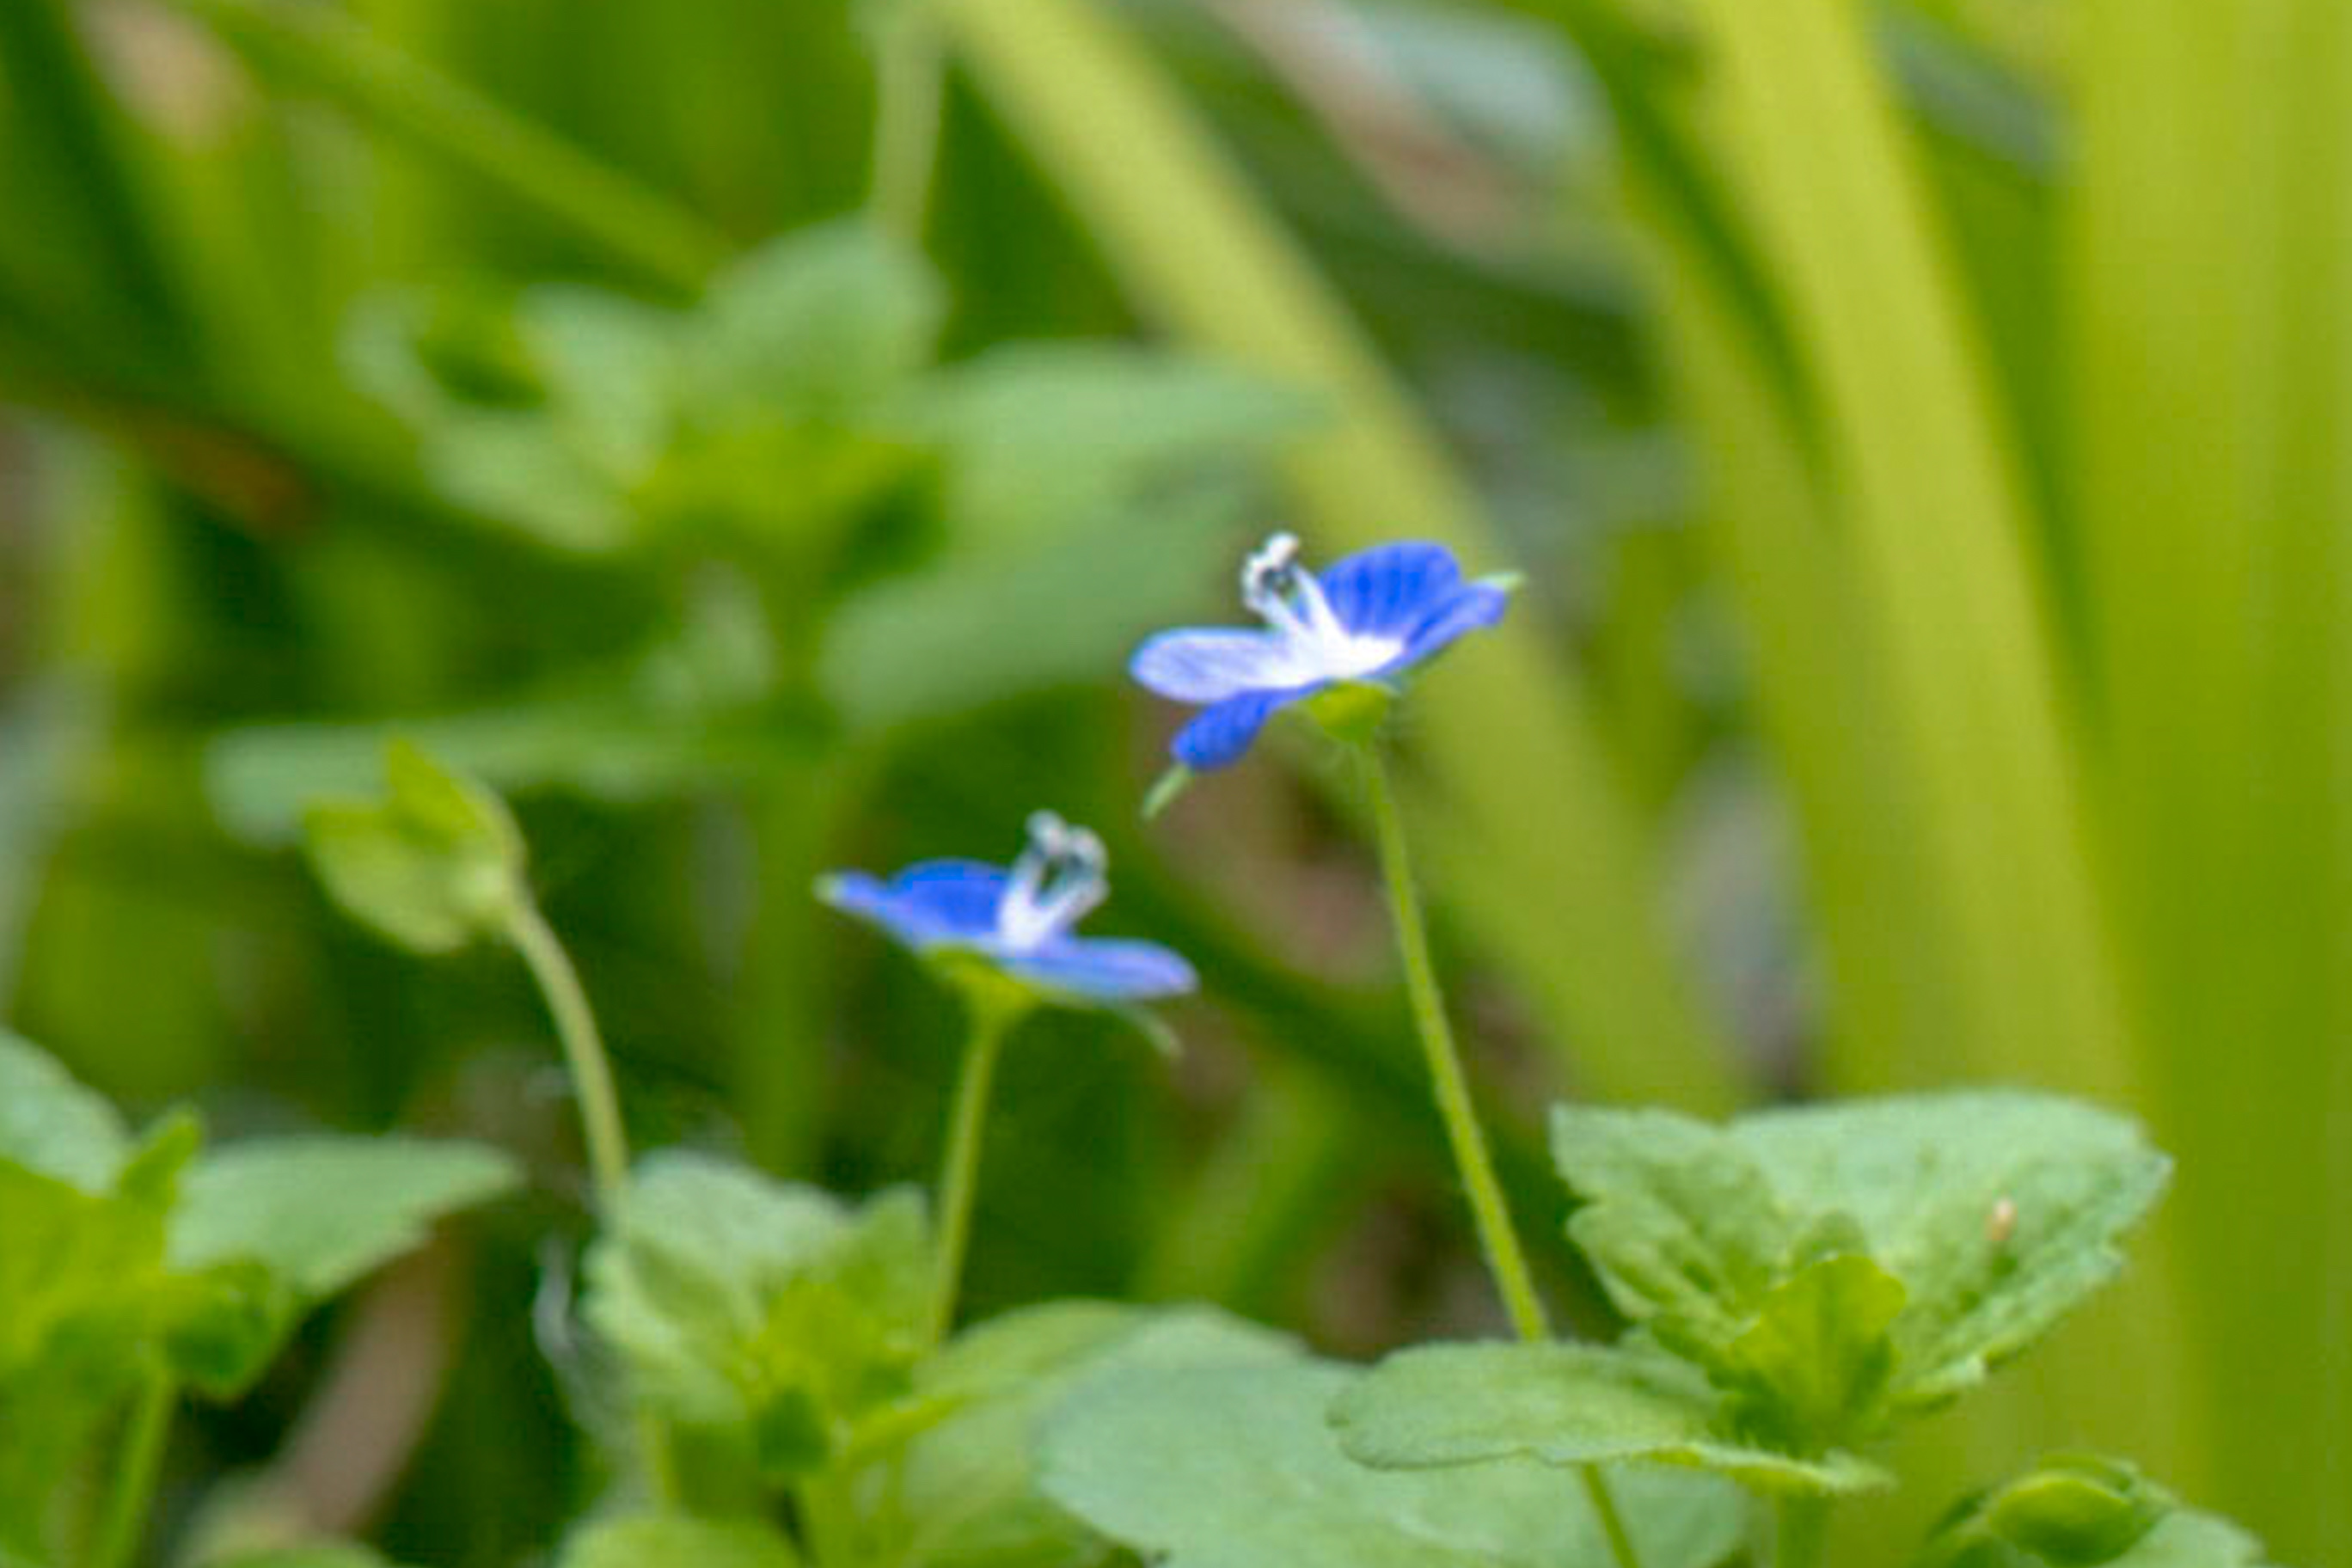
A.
pixel 1058 877
pixel 1315 645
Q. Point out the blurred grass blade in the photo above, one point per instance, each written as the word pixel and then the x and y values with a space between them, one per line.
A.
pixel 317 49
pixel 2212 260
pixel 1507 734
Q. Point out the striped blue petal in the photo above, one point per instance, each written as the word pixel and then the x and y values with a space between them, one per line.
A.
pixel 1220 734
pixel 1387 590
pixel 1209 664
pixel 1105 969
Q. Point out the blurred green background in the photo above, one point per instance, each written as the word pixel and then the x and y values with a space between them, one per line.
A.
pixel 752 432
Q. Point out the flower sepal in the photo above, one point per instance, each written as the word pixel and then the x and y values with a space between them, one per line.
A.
pixel 1352 711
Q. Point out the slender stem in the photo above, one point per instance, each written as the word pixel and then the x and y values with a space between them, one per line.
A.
pixel 1500 1241
pixel 991 1020
pixel 1468 1140
pixel 583 1051
pixel 120 1529
pixel 912 69
pixel 1800 1527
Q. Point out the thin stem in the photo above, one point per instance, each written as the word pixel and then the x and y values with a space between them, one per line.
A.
pixel 583 1051
pixel 991 1020
pixel 1504 1260
pixel 912 76
pixel 120 1528
pixel 1467 1140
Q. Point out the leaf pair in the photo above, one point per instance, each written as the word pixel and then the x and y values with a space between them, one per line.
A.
pixel 1799 1280
pixel 124 1261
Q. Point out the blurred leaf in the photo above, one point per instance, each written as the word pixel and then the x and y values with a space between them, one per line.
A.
pixel 326 1554
pixel 775 1313
pixel 648 1540
pixel 52 1125
pixel 321 1212
pixel 1040 437
pixel 1234 1467
pixel 820 323
pixel 609 365
pixel 2085 1511
pixel 1444 1406
pixel 924 646
pixel 46 731
pixel 516 467
pixel 437 864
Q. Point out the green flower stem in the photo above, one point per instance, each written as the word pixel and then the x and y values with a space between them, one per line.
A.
pixel 583 1051
pixel 912 72
pixel 992 1018
pixel 116 1539
pixel 1500 1240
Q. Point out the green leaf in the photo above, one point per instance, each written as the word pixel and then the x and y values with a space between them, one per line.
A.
pixel 51 1124
pixel 436 865
pixel 2085 1511
pixel 1038 437
pixel 819 324
pixel 776 1313
pixel 319 1555
pixel 319 1212
pixel 646 1540
pixel 1680 1220
pixel 1814 1364
pixel 1234 1467
pixel 1475 1405
pixel 968 1479
pixel 1997 1210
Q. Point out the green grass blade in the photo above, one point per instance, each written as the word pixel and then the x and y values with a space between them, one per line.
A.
pixel 2212 255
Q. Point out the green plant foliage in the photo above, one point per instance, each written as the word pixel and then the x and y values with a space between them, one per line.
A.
pixel 638 1540
pixel 51 1124
pixel 2085 1511
pixel 433 866
pixel 775 1315
pixel 1234 1467
pixel 320 1213
pixel 329 1554
pixel 1445 1406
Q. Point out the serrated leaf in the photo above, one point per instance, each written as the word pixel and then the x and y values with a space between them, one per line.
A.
pixel 321 1211
pixel 1813 1366
pixel 435 864
pixel 778 1313
pixel 1473 1405
pixel 1234 1467
pixel 1679 1220
pixel 968 1478
pixel 659 1540
pixel 1998 1211
pixel 51 1124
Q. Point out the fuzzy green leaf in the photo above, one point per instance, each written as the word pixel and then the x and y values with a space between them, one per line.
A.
pixel 1679 1220
pixel 1814 1364
pixel 435 865
pixel 774 1313
pixel 646 1540
pixel 970 1492
pixel 321 1211
pixel 2085 1511
pixel 51 1124
pixel 1998 1211
pixel 1473 1405
pixel 1234 1467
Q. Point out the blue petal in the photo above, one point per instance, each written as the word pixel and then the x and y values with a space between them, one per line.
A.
pixel 1105 969
pixel 1219 734
pixel 1388 589
pixel 927 904
pixel 1208 664
pixel 1469 609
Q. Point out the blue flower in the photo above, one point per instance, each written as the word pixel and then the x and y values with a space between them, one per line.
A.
pixel 1019 920
pixel 1366 619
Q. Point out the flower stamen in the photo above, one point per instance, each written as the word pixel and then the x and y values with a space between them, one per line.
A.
pixel 1287 596
pixel 1057 879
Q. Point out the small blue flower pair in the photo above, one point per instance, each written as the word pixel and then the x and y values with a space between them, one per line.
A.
pixel 1365 621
